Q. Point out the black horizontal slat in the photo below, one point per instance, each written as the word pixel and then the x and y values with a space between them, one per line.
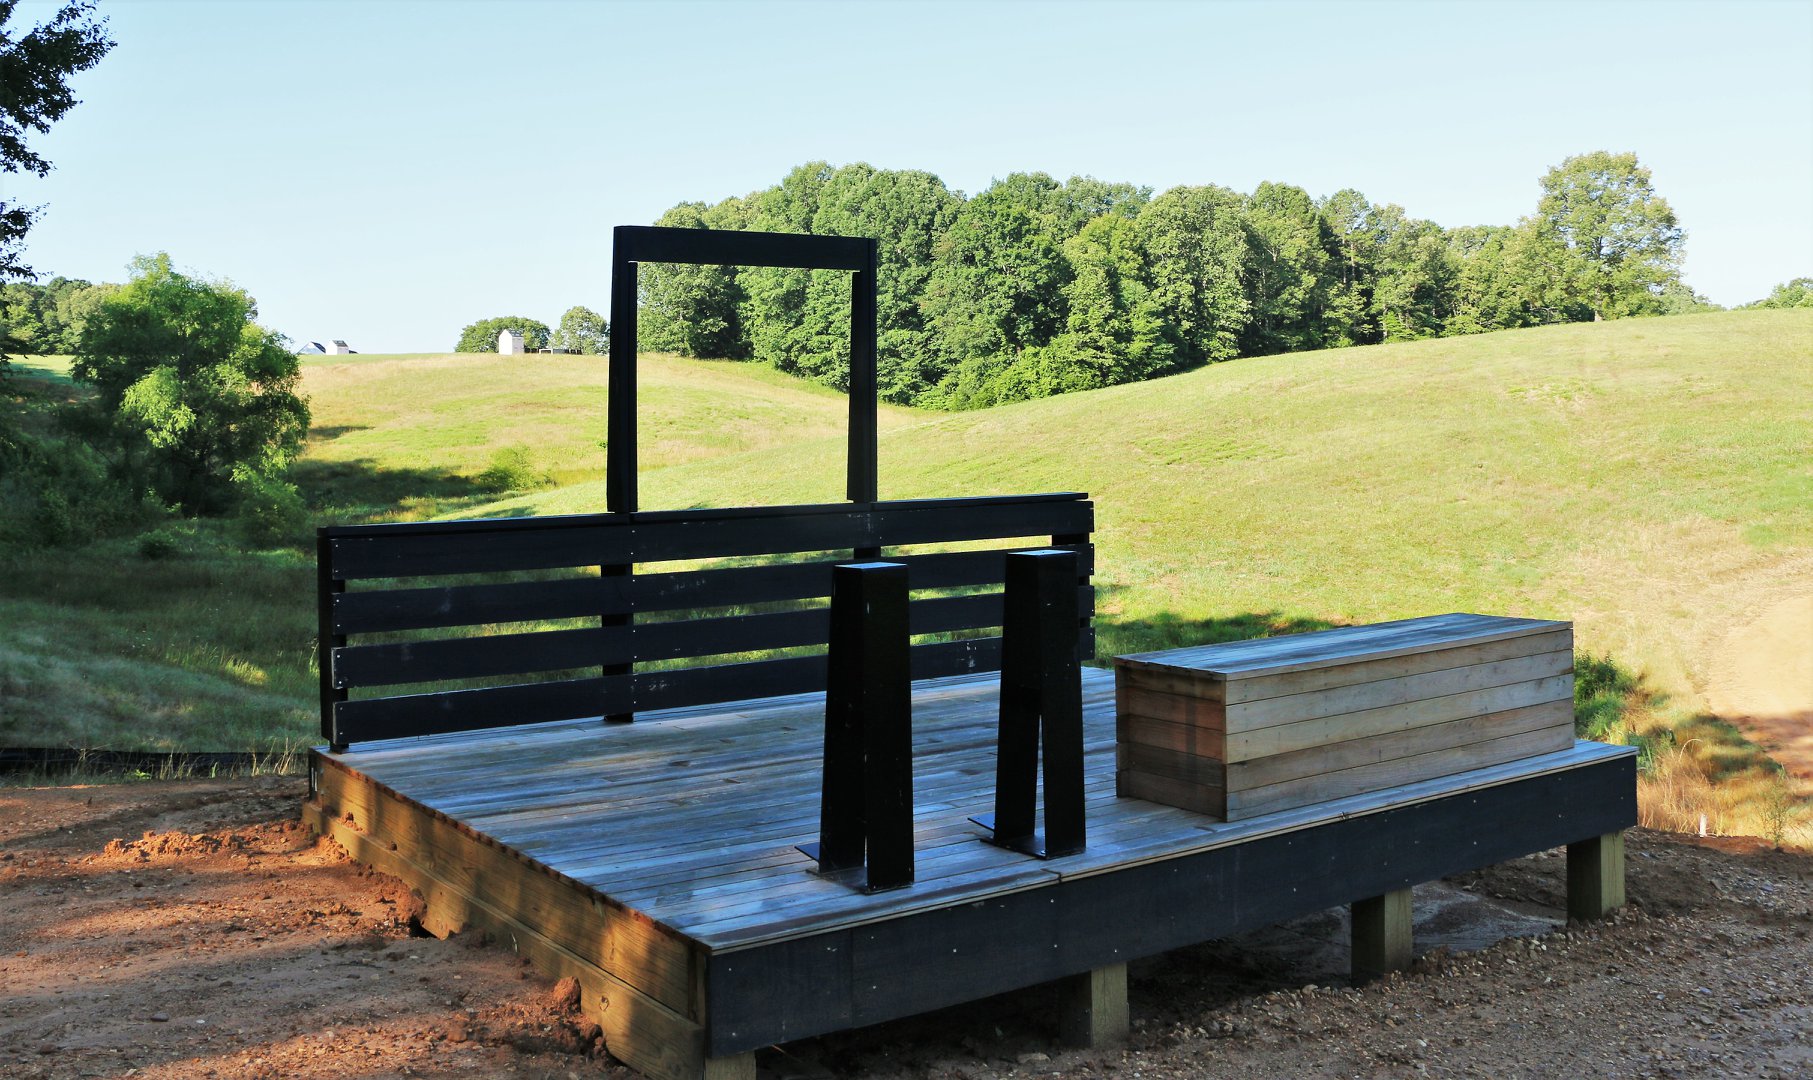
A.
pixel 943 658
pixel 408 554
pixel 732 634
pixel 467 710
pixel 618 539
pixel 478 657
pixel 713 539
pixel 375 611
pixel 726 247
pixel 729 682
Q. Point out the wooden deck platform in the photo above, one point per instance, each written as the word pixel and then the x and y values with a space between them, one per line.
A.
pixel 657 862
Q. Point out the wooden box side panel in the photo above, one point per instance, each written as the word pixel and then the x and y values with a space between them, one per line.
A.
pixel 1287 738
pixel 1240 690
pixel 1401 690
pixel 1395 772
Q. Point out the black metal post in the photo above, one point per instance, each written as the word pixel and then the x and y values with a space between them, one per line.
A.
pixel 867 797
pixel 620 407
pixel 1041 701
pixel 327 586
pixel 863 484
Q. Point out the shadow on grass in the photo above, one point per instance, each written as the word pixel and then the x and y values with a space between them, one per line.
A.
pixel 1117 637
pixel 361 490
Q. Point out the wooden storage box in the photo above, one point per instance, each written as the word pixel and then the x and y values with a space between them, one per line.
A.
pixel 1251 727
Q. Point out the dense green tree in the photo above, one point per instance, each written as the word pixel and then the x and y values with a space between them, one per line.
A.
pixel 773 311
pixel 1617 243
pixel 45 319
pixel 1489 292
pixel 694 310
pixel 1287 270
pixel 1196 244
pixel 34 93
pixel 581 330
pixel 1349 318
pixel 1413 277
pixel 481 336
pixel 906 212
pixel 1797 293
pixel 998 286
pixel 1114 330
pixel 193 394
pixel 1086 198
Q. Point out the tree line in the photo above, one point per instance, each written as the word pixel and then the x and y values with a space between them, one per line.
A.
pixel 1034 287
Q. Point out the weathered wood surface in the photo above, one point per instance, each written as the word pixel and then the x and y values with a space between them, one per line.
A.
pixel 662 855
pixel 692 817
pixel 1288 653
pixel 1242 728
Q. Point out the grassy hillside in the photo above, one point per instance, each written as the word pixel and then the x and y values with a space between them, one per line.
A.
pixel 1649 479
pixel 410 436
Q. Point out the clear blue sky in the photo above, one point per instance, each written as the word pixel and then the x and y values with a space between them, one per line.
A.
pixel 387 172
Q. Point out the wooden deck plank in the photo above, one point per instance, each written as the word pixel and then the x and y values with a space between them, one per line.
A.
pixel 712 860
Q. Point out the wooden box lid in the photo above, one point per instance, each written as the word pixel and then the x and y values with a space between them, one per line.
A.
pixel 1344 645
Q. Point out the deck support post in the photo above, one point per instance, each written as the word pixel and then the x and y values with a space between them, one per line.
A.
pixel 1381 934
pixel 734 1067
pixel 866 806
pixel 1041 702
pixel 1094 1010
pixel 1595 876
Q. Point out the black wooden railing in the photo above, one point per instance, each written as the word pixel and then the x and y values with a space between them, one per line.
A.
pixel 365 591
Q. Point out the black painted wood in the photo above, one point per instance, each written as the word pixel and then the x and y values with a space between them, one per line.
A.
pixel 726 247
pixel 384 610
pixel 866 804
pixel 328 637
pixel 1077 924
pixel 620 403
pixel 619 597
pixel 864 463
pixel 597 539
pixel 1041 703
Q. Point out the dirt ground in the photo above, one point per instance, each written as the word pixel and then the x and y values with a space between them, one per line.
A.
pixel 195 930
pixel 1762 681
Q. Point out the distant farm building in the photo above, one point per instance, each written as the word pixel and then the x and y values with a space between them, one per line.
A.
pixel 510 343
pixel 310 348
pixel 337 348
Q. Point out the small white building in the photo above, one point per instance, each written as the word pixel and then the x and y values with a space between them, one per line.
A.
pixel 337 348
pixel 509 342
pixel 311 348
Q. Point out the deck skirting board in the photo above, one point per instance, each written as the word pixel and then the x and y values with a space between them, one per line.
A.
pixel 826 982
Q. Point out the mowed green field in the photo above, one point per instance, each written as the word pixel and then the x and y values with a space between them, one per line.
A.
pixel 1649 479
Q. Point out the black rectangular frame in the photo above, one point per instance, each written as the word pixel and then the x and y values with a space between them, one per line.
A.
pixel 632 245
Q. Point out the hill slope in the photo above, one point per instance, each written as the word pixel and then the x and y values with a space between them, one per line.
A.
pixel 410 433
pixel 1647 478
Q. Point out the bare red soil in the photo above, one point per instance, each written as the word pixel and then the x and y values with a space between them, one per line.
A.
pixel 195 929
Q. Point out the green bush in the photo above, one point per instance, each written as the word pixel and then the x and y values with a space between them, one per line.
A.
pixel 160 543
pixel 58 491
pixel 1602 695
pixel 270 512
pixel 513 469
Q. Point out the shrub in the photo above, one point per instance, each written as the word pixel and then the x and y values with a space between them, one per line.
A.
pixel 57 491
pixel 513 469
pixel 161 543
pixel 270 512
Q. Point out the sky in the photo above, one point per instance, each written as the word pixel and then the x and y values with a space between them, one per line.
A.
pixel 387 172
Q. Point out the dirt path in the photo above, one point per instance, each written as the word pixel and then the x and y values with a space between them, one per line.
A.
pixel 1763 682
pixel 194 930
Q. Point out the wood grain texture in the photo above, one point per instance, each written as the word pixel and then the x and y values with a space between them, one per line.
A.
pixel 1345 645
